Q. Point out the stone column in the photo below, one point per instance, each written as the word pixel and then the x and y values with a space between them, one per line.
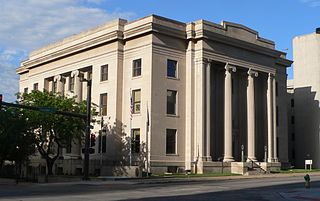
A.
pixel 228 113
pixel 59 80
pixel 208 108
pixel 77 85
pixel 270 117
pixel 200 114
pixel 203 107
pixel 251 115
pixel 275 158
pixel 66 87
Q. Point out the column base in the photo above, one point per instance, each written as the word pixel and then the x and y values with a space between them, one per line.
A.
pixel 228 159
pixel 249 159
pixel 208 158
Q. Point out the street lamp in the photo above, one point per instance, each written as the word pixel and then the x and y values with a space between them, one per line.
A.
pixel 87 134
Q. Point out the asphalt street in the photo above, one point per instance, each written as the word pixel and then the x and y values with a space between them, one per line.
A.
pixel 286 187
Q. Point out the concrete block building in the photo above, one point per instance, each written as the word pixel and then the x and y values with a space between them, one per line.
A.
pixel 304 97
pixel 213 94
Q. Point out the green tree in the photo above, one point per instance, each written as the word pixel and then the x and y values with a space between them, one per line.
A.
pixel 16 143
pixel 53 132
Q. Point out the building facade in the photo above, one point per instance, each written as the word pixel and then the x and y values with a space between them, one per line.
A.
pixel 305 119
pixel 196 93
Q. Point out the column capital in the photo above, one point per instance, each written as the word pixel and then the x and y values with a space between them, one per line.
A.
pixel 253 73
pixel 207 61
pixel 75 73
pixel 230 68
pixel 57 78
pixel 271 75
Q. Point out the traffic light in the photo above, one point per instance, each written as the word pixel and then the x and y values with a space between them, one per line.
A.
pixel 92 140
pixel 0 99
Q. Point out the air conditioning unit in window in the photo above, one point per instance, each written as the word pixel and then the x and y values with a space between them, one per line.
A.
pixel 137 107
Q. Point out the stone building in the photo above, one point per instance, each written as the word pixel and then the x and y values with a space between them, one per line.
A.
pixel 211 90
pixel 304 121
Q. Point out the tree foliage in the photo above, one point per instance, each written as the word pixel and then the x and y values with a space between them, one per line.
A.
pixel 53 132
pixel 16 142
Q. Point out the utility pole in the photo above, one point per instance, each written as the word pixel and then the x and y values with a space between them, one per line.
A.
pixel 87 134
pixel 100 142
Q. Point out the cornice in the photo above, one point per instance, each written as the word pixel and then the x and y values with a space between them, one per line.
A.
pixel 153 27
pixel 238 62
pixel 212 36
pixel 284 62
pixel 87 44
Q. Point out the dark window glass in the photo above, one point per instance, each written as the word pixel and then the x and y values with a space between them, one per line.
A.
pixel 171 68
pixel 104 73
pixel 293 136
pixel 136 96
pixel 135 145
pixel 293 154
pixel 71 84
pixel 277 147
pixel 25 90
pixel 136 67
pixel 54 87
pixel 103 104
pixel 35 86
pixel 277 116
pixel 171 141
pixel 171 102
pixel 292 102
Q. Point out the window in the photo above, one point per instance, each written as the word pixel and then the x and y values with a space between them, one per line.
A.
pixel 171 102
pixel 54 86
pixel 35 86
pixel 25 90
pixel 171 141
pixel 135 145
pixel 293 154
pixel 136 68
pixel 171 68
pixel 292 102
pixel 104 73
pixel 292 119
pixel 71 84
pixel 136 101
pixel 103 104
pixel 277 116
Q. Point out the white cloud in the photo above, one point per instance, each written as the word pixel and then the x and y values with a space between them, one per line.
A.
pixel 30 24
pixel 311 3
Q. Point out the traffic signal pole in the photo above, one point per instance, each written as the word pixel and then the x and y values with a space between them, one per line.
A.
pixel 87 137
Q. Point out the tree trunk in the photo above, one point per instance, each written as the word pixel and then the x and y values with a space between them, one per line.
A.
pixel 50 163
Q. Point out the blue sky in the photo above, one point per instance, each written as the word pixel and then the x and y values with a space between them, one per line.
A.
pixel 30 24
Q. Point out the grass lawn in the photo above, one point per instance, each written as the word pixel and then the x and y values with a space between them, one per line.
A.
pixel 181 175
pixel 298 171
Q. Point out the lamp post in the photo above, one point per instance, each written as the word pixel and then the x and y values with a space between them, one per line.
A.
pixel 87 134
pixel 100 142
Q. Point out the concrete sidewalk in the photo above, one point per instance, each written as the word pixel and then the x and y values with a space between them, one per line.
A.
pixel 155 180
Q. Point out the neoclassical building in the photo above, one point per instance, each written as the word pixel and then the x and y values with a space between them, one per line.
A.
pixel 304 98
pixel 201 95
